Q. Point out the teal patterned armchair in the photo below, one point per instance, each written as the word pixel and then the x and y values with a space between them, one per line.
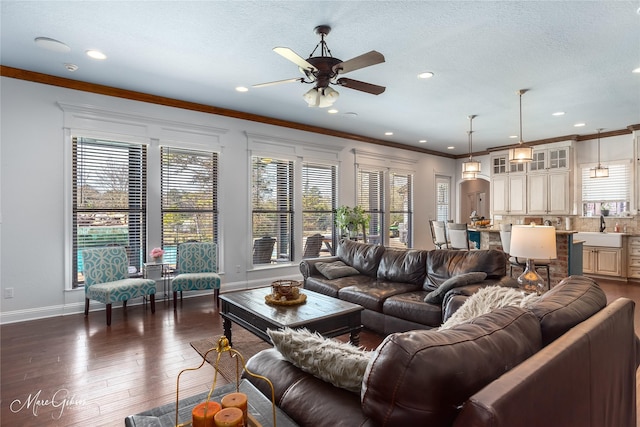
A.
pixel 197 269
pixel 106 279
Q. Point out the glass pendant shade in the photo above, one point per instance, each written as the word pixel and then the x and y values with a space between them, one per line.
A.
pixel 599 171
pixel 521 154
pixel 321 98
pixel 471 166
pixel 469 175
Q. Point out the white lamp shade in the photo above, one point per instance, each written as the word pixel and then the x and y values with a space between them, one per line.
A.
pixel 469 175
pixel 599 172
pixel 533 241
pixel 521 154
pixel 471 166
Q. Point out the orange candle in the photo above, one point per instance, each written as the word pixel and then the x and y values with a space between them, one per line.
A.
pixel 236 400
pixel 203 414
pixel 229 417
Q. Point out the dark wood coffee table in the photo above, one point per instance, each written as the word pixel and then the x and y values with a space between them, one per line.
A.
pixel 320 313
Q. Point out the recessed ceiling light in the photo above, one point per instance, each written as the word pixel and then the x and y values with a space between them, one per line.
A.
pixel 513 136
pixel 558 113
pixel 332 111
pixel 350 115
pixel 96 54
pixel 51 44
pixel 423 141
pixel 451 147
pixel 242 89
pixel 579 125
pixel 636 70
pixel 425 75
pixel 388 133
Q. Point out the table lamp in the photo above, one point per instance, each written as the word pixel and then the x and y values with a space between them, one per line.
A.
pixel 532 242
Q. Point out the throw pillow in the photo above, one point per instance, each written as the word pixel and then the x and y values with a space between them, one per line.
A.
pixel 486 300
pixel 338 363
pixel 436 297
pixel 335 270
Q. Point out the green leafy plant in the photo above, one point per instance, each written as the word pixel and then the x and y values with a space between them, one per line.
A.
pixel 350 220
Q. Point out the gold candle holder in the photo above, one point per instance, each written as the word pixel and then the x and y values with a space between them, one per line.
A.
pixel 224 347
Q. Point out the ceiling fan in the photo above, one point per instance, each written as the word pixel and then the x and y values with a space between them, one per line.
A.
pixel 325 70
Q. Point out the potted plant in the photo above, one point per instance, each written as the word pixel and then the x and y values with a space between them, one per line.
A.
pixel 350 220
pixel 604 209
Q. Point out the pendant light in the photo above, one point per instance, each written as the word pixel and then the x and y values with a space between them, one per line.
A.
pixel 522 153
pixel 599 171
pixel 470 168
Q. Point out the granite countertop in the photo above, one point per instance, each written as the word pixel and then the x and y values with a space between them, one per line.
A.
pixel 497 230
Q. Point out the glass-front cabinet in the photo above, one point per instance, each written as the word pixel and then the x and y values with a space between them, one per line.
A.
pixel 508 186
pixel 548 183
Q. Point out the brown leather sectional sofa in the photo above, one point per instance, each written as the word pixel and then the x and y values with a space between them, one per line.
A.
pixel 392 283
pixel 570 361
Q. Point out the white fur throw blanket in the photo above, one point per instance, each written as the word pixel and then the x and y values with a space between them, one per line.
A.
pixel 486 300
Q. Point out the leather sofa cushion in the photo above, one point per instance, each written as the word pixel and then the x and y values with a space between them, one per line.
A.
pixel 573 300
pixel 402 265
pixel 443 264
pixel 411 306
pixel 372 295
pixel 362 256
pixel 423 377
pixel 331 287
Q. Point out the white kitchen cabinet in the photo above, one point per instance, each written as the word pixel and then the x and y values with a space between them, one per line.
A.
pixel 602 261
pixel 633 263
pixel 548 193
pixel 508 186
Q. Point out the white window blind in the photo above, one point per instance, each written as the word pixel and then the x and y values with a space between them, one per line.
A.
pixel 443 195
pixel 272 205
pixel 189 189
pixel 109 199
pixel 319 185
pixel 401 209
pixel 370 196
pixel 615 188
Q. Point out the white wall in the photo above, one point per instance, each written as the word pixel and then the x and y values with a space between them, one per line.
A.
pixel 32 187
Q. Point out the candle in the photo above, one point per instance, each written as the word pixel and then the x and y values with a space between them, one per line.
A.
pixel 236 400
pixel 203 413
pixel 229 417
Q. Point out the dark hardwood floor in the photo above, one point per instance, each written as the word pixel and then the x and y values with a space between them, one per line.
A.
pixel 96 375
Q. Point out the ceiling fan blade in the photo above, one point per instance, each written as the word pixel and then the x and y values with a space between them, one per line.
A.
pixel 361 86
pixel 364 60
pixel 297 79
pixel 294 57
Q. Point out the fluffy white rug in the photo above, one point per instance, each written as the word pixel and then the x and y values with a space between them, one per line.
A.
pixel 486 300
pixel 338 363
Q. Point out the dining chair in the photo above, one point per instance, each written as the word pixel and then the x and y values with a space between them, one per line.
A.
pixel 196 269
pixel 505 240
pixel 312 246
pixel 439 234
pixel 263 250
pixel 106 279
pixel 458 236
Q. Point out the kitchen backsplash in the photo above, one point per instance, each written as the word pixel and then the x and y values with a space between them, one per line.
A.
pixel 579 223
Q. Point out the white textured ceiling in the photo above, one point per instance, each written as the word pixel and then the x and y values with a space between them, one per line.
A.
pixel 573 56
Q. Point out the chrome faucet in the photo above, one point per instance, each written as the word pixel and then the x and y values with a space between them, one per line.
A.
pixel 603 225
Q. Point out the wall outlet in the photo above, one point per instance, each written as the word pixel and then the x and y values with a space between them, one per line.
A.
pixel 8 292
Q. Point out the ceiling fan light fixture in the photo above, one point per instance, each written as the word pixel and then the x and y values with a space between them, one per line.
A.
pixel 321 98
pixel 599 171
pixel 522 153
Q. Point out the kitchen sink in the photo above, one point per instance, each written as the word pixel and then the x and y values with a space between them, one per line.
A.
pixel 594 238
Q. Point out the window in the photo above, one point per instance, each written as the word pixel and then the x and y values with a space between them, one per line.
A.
pixel 109 199
pixel 189 189
pixel 401 210
pixel 611 194
pixel 443 195
pixel 370 196
pixel 318 200
pixel 272 204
